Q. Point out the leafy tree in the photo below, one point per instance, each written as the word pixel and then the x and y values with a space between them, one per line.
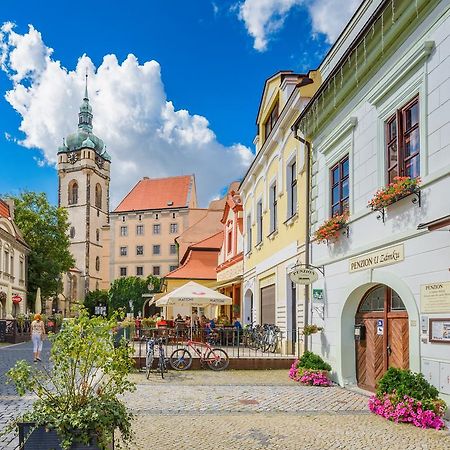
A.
pixel 45 229
pixel 131 288
pixel 95 298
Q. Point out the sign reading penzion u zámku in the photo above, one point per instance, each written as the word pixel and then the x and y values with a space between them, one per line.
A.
pixel 383 257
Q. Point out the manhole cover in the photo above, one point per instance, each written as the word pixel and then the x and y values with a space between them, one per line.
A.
pixel 246 401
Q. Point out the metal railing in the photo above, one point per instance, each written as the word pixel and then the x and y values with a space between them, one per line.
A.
pixel 238 343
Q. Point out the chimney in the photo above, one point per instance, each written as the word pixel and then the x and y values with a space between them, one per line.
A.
pixel 10 203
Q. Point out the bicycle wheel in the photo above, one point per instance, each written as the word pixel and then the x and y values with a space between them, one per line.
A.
pixel 148 365
pixel 217 359
pixel 181 359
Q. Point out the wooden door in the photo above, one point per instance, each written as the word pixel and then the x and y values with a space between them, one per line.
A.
pixel 381 348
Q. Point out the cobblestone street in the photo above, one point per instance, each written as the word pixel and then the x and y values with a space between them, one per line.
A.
pixel 262 409
pixel 241 409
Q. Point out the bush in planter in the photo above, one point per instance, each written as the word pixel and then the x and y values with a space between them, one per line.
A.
pixel 310 369
pixel 78 394
pixel 404 396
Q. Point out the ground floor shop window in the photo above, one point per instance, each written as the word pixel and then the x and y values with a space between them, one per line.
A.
pixel 268 304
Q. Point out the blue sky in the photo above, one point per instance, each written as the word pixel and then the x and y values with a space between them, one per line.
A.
pixel 209 67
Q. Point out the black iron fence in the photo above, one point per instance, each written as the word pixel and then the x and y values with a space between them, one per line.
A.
pixel 15 330
pixel 238 343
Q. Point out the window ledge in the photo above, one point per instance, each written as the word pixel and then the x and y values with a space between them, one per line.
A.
pixel 272 235
pixel 248 254
pixel 259 245
pixel 291 220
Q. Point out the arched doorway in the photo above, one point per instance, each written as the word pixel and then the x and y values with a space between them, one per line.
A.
pixel 384 341
pixel 248 308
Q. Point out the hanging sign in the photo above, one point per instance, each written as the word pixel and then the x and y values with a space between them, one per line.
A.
pixel 304 275
pixel 16 299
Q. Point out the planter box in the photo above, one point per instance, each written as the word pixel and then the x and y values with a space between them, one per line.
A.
pixel 40 439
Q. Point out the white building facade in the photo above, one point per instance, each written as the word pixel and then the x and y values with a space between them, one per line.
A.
pixel 382 111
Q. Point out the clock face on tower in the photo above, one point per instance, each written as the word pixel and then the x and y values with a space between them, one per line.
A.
pixel 72 158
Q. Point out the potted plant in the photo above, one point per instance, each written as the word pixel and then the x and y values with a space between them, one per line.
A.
pixel 311 329
pixel 400 188
pixel 78 401
pixel 329 231
pixel 310 369
pixel 405 396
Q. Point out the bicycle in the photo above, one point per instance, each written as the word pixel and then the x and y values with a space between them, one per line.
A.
pixel 215 358
pixel 150 356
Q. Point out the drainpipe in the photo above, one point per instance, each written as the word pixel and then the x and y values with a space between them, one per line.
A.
pixel 308 224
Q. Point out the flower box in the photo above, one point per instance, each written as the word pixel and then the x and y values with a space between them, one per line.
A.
pixel 330 230
pixel 400 188
pixel 40 438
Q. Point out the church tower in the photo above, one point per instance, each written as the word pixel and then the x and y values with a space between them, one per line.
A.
pixel 84 177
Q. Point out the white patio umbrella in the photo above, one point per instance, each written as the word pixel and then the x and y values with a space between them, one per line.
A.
pixel 38 303
pixel 194 294
pixel 9 304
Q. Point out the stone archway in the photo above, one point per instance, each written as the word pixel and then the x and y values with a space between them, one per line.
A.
pixel 345 357
pixel 248 314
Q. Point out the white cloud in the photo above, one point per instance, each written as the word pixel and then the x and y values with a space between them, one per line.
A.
pixel 144 133
pixel 263 18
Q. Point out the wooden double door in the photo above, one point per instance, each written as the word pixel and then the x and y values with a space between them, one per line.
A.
pixel 385 342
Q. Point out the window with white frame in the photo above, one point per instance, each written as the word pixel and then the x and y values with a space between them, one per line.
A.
pixel 259 222
pixel 123 271
pixel 123 251
pixel 249 233
pixel 273 207
pixel 156 249
pixel 173 228
pixel 124 231
pixel 139 250
pixel 291 188
pixel 173 249
pixel 139 230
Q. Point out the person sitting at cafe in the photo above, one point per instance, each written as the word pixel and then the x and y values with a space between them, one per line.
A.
pixel 187 321
pixel 179 319
pixel 194 319
pixel 161 322
pixel 237 323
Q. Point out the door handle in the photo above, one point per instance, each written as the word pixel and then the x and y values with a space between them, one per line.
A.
pixel 389 350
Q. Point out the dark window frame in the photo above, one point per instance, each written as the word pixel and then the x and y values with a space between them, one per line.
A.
pixel 399 141
pixel 269 124
pixel 342 204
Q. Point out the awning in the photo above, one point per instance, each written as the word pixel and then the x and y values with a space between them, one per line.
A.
pixel 194 294
pixel 435 224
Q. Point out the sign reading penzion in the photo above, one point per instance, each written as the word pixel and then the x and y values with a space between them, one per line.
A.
pixel 383 257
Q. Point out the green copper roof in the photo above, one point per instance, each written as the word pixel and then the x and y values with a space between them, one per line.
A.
pixel 84 137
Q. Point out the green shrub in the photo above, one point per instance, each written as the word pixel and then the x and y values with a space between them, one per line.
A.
pixel 404 382
pixel 310 360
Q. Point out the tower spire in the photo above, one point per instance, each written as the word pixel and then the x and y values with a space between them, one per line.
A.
pixel 86 96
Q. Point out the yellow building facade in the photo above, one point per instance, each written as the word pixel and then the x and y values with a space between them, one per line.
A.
pixel 273 192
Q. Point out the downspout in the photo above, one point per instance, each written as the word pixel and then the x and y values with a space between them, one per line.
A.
pixel 308 212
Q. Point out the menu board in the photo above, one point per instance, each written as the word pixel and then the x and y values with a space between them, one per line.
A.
pixel 440 330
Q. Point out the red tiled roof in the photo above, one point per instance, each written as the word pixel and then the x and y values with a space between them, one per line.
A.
pixel 214 242
pixel 158 193
pixel 4 210
pixel 200 265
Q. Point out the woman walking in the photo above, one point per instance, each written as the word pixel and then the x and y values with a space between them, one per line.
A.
pixel 37 336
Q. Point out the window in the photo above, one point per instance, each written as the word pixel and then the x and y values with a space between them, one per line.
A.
pixel 73 192
pixel 270 122
pixel 174 215
pixel 124 231
pixel 139 250
pixel 156 270
pixel 72 232
pixel 98 196
pixel 339 187
pixel 156 216
pixel 171 268
pixel 174 228
pixel 273 207
pixel 123 271
pixel 97 235
pixel 123 251
pixel 229 241
pixel 139 271
pixel 173 249
pixel 259 221
pixel 22 272
pixel 249 233
pixel 156 249
pixel 97 264
pixel 11 267
pixel 156 228
pixel 6 265
pixel 291 188
pixel 403 142
pixel 124 218
pixel 140 217
pixel 139 230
